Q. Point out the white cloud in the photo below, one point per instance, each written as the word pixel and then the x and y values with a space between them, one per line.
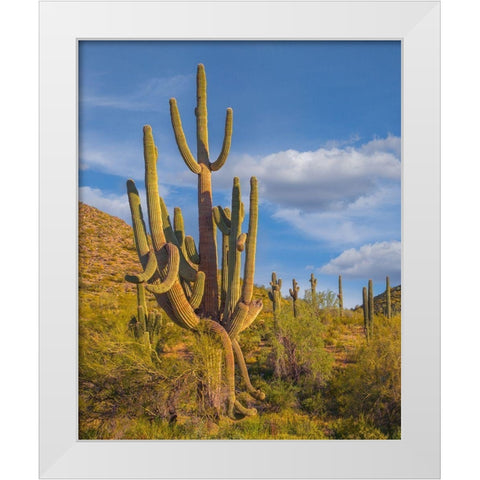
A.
pixel 343 196
pixel 113 204
pixel 373 261
pixel 116 205
pixel 148 96
pixel 125 159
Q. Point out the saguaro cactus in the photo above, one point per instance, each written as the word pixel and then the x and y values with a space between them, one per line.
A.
pixel 294 294
pixel 365 312
pixel 389 299
pixel 340 295
pixel 203 167
pixel 275 296
pixel 313 283
pixel 368 309
pixel 179 277
pixel 146 325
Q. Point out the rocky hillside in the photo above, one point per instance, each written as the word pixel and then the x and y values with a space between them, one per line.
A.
pixel 106 251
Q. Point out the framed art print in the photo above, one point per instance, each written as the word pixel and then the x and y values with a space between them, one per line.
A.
pixel 239 239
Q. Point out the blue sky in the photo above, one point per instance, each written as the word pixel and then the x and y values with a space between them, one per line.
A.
pixel 318 123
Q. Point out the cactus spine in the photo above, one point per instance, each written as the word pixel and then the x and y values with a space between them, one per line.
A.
pixel 275 296
pixel 313 283
pixel 389 299
pixel 294 294
pixel 183 281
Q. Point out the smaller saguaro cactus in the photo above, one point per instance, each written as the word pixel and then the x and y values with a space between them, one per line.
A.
pixel 365 312
pixel 146 325
pixel 371 307
pixel 389 299
pixel 340 295
pixel 313 283
pixel 275 295
pixel 294 294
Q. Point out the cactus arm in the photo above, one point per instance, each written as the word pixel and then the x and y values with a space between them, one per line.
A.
pixel 180 138
pixel 234 323
pixel 187 270
pixel 164 303
pixel 191 250
pixel 169 273
pixel 227 141
pixel 202 117
pixel 138 224
pixel 251 243
pixel 241 240
pixel 179 226
pixel 217 329
pixel 258 394
pixel 233 291
pixel 221 220
pixel 181 307
pixel 151 184
pixel 254 309
pixel 197 290
pixel 148 273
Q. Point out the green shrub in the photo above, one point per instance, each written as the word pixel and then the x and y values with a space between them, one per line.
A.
pixel 370 385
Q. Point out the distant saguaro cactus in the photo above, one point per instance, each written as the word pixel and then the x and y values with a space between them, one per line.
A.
pixel 183 281
pixel 371 306
pixel 340 295
pixel 389 299
pixel 275 296
pixel 365 312
pixel 146 325
pixel 294 294
pixel 313 283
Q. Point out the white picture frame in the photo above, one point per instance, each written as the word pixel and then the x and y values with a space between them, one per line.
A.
pixel 417 26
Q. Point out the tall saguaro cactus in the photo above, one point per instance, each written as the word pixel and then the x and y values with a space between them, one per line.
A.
pixel 365 312
pixel 203 167
pixel 389 299
pixel 275 296
pixel 371 306
pixel 313 283
pixel 340 295
pixel 294 294
pixel 183 281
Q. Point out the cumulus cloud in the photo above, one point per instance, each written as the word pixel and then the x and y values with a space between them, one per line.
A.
pixel 116 205
pixel 373 261
pixel 148 96
pixel 124 159
pixel 328 179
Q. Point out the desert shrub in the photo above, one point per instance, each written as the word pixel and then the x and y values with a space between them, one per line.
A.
pixel 352 428
pixel 302 348
pixel 370 386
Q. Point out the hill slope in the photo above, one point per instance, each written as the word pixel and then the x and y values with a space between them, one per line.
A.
pixel 106 251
